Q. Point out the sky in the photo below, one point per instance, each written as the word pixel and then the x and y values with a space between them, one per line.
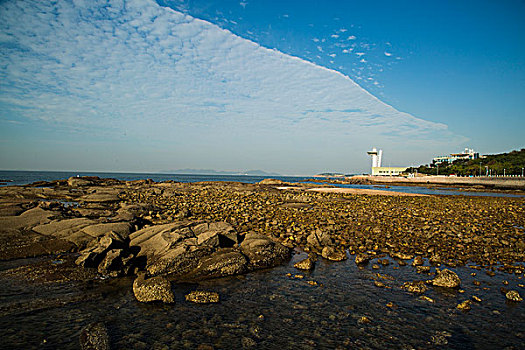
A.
pixel 293 87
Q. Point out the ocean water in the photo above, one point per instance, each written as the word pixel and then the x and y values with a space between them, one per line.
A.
pixel 11 178
pixel 27 177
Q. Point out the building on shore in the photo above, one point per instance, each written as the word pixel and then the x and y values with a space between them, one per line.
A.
pixel 388 170
pixel 378 170
pixel 467 154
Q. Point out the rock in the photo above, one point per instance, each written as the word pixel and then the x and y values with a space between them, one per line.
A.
pixel 423 269
pixel 447 279
pixel 262 252
pixel 361 258
pixel 319 239
pixel 425 298
pixel 305 264
pixel 202 297
pixel 225 262
pixel 401 256
pixel 418 261
pixel 120 230
pixel 80 181
pixel 465 306
pixel 218 234
pixel 513 295
pixel 153 289
pixel 94 337
pixel 333 254
pixel 93 256
pixel 100 197
pixel 417 287
pixel 113 263
pixel 179 260
pixel 364 319
pixel 272 182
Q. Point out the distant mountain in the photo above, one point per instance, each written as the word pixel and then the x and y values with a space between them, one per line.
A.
pixel 215 172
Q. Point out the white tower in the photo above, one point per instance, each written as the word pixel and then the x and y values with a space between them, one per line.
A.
pixel 376 157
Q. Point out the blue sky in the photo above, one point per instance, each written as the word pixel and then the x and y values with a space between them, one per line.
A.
pixel 296 87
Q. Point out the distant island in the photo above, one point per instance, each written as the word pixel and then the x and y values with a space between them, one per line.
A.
pixel 215 172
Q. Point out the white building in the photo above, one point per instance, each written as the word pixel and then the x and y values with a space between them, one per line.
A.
pixel 467 154
pixel 378 170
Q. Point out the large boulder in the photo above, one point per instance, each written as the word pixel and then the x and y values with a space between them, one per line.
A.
pixel 153 289
pixel 218 234
pixel 447 279
pixel 225 262
pixel 95 253
pixel 178 260
pixel 262 252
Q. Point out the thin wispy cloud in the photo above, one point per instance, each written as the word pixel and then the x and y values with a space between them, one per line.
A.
pixel 158 74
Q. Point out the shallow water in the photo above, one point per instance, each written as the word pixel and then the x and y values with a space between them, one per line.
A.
pixel 270 310
pixel 426 190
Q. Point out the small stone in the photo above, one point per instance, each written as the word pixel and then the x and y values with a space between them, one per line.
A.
pixel 379 284
pixel 306 264
pixel 312 283
pixel 361 258
pixel 476 299
pixel 390 304
pixel 94 337
pixel 299 276
pixel 506 283
pixel 333 254
pixel 513 295
pixel 423 269
pixel 418 261
pixel 465 306
pixel 248 343
pixel 375 267
pixel 415 287
pixel 425 298
pixel 364 319
pixel 447 279
pixel 202 297
pixel 153 289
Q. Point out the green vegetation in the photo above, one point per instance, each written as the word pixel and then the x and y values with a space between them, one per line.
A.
pixel 512 163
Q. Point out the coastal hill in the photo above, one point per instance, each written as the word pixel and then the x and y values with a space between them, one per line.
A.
pixel 511 163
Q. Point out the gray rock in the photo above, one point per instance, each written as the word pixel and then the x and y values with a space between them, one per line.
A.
pixel 94 337
pixel 225 262
pixel 153 289
pixel 262 252
pixel 111 264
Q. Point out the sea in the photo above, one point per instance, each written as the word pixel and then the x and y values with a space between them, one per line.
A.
pixel 18 178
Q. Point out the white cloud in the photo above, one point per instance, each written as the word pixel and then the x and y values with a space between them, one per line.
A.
pixel 335 36
pixel 352 37
pixel 185 84
pixel 388 54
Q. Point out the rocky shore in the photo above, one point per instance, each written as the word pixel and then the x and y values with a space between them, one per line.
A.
pixel 164 233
